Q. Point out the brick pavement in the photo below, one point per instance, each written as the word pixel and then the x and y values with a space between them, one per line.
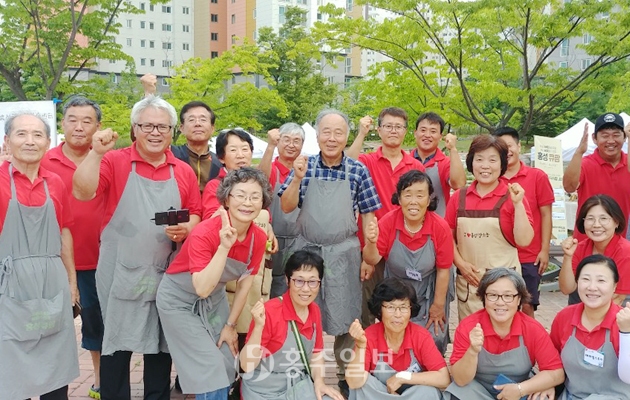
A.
pixel 551 303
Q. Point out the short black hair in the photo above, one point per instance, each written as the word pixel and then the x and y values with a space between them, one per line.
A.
pixel 434 118
pixel 408 179
pixel 222 140
pixel 195 104
pixel 598 259
pixel 507 130
pixel 609 205
pixel 392 289
pixel 304 260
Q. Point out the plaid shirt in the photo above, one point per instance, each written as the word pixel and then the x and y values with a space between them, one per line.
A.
pixel 364 196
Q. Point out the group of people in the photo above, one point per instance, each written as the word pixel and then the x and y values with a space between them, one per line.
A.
pixel 232 273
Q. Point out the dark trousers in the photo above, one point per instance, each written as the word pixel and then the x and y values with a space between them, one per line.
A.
pixel 115 376
pixel 58 394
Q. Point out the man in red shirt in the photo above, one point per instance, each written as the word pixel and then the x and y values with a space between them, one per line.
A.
pixel 535 257
pixel 81 119
pixel 136 183
pixel 606 171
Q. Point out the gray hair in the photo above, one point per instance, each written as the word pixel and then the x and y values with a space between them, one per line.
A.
pixel 493 275
pixel 330 111
pixel 80 101
pixel 156 102
pixel 8 125
pixel 243 175
pixel 291 128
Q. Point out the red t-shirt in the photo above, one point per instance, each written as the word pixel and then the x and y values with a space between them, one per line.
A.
pixel 416 338
pixel 201 245
pixel 539 193
pixel 34 195
pixel 618 249
pixel 434 226
pixel 278 313
pixel 444 170
pixel 600 177
pixel 474 202
pixel 571 316
pixel 276 166
pixel 209 202
pixel 115 170
pixel 539 346
pixel 88 215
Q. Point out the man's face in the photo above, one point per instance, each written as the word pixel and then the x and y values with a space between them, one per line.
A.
pixel 27 140
pixel 153 143
pixel 392 131
pixel 238 154
pixel 609 142
pixel 514 150
pixel 79 125
pixel 333 135
pixel 428 135
pixel 290 146
pixel 197 125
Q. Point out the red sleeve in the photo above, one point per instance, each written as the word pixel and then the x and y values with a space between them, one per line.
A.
pixel 461 342
pixel 106 174
pixel 273 176
pixel 444 248
pixel 202 246
pixel 386 233
pixel 209 202
pixel 189 191
pixel 507 219
pixel 319 334
pixel 540 347
pixel 451 210
pixel 430 357
pixel 444 170
pixel 580 253
pixel 559 327
pixel 65 215
pixel 260 244
pixel 266 333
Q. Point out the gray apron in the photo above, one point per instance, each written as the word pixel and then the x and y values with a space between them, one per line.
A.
pixel 375 387
pixel 328 226
pixel 417 267
pixel 285 229
pixel 587 381
pixel 38 350
pixel 434 175
pixel 515 364
pixel 193 325
pixel 133 256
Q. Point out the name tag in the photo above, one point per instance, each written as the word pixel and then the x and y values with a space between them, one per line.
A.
pixel 415 367
pixel 413 274
pixel 594 357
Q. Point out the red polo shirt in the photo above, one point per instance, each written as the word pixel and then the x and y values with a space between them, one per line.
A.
pixel 434 226
pixel 278 314
pixel 618 249
pixel 600 177
pixel 416 338
pixel 444 170
pixel 115 170
pixel 209 202
pixel 571 317
pixel 539 193
pixel 475 202
pixel 539 346
pixel 277 166
pixel 34 195
pixel 88 215
pixel 201 245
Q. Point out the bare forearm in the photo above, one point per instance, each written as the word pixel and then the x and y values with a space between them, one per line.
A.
pixel 571 177
pixel 291 196
pixel 465 368
pixel 356 375
pixel 370 253
pixel 317 367
pixel 206 280
pixel 86 177
pixel 439 379
pixel 523 230
pixel 265 162
pixel 355 150
pixel 542 381
pixel 251 354
pixel 457 173
pixel 566 279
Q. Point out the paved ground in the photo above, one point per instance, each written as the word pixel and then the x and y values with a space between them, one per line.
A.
pixel 551 303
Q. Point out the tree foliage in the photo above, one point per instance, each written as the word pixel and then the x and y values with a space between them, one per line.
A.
pixel 487 62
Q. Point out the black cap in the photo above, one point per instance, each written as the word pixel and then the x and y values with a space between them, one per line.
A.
pixel 609 119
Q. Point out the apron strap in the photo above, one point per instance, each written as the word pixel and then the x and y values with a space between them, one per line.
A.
pixel 462 200
pixel 133 167
pixel 502 200
pixel 13 191
pixel 298 340
pixel 172 171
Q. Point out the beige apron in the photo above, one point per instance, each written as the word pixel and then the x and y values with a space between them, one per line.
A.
pixel 481 242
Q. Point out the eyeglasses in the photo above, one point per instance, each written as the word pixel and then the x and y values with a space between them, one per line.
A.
pixel 161 128
pixel 507 297
pixel 201 120
pixel 391 309
pixel 603 220
pixel 397 128
pixel 299 283
pixel 287 141
pixel 242 197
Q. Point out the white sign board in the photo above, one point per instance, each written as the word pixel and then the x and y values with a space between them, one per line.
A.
pixel 44 109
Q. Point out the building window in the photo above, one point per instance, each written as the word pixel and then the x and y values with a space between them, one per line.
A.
pixel 112 61
pixel 151 44
pixel 166 27
pixel 233 39
pixel 348 66
pixel 214 36
pixel 586 63
pixel 564 64
pixel 185 46
pixel 233 18
pixel 186 10
pixel 587 38
pixel 143 43
pixel 151 25
pixel 214 54
pixel 186 28
pixel 166 45
pixel 564 47
pixel 166 9
pixel 164 82
pixel 152 63
pixel 167 63
pixel 143 61
pixel 281 16
pixel 128 41
pixel 114 78
pixel 233 1
pixel 151 7
pixel 254 13
pixel 214 17
pixel 129 25
pixel 349 5
pixel 143 24
pixel 214 1
pixel 301 2
pixel 142 6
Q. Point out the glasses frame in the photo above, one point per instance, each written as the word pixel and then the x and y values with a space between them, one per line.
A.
pixel 247 197
pixel 502 297
pixel 309 283
pixel 395 128
pixel 391 309
pixel 154 127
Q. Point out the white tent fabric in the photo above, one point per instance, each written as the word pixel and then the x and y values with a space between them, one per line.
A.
pixel 311 147
pixel 259 146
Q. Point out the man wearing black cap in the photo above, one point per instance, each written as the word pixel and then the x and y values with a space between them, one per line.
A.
pixel 603 172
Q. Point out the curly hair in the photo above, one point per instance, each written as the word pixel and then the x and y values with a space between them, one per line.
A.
pixel 243 175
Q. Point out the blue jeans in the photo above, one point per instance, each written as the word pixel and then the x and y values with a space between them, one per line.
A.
pixel 219 394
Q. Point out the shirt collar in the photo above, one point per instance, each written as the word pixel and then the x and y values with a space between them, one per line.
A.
pixel 609 319
pixel 381 344
pixel 516 329
pixel 437 156
pixel 406 157
pixel 499 191
pixel 338 166
pixel 283 169
pixel 623 162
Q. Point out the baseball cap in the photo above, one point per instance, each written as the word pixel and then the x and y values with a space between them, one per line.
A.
pixel 609 118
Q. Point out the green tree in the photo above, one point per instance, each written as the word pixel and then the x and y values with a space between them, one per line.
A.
pixel 291 55
pixel 487 62
pixel 41 40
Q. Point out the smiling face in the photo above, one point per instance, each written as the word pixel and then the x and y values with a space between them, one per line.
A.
pixel 414 201
pixel 290 146
pixel 596 285
pixel 609 142
pixel 396 315
pixel 514 150
pixel 238 154
pixel 332 136
pixel 197 126
pixel 428 135
pixel 500 311
pixel 79 125
pixel 486 166
pixel 392 131
pixel 305 295
pixel 245 201
pixel 599 226
pixel 27 141
pixel 153 144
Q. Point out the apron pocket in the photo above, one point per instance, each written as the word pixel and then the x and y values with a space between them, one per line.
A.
pixel 32 319
pixel 136 282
